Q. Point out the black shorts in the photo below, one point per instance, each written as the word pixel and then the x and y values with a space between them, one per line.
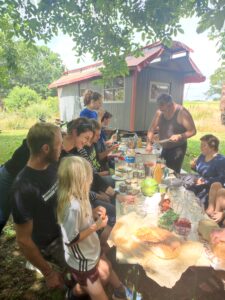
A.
pixel 174 157
pixel 82 277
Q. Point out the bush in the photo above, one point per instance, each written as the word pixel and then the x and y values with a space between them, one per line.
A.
pixel 53 104
pixel 46 109
pixel 19 98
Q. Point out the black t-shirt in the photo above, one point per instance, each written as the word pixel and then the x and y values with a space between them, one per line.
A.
pixel 18 160
pixel 33 198
pixel 72 152
pixel 98 184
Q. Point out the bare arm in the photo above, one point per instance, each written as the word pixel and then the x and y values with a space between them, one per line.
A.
pixel 104 154
pixel 153 127
pixel 99 214
pixel 33 255
pixel 186 120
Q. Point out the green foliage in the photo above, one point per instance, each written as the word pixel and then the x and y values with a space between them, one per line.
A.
pixel 108 28
pixel 206 115
pixel 9 142
pixel 216 81
pixel 9 231
pixel 38 67
pixel 20 97
pixel 44 109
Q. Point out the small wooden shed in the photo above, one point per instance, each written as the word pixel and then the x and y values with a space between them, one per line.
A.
pixel 132 99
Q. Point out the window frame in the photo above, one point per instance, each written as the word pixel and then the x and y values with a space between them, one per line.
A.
pixel 152 97
pixel 114 89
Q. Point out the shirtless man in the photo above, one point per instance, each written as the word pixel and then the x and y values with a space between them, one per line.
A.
pixel 175 123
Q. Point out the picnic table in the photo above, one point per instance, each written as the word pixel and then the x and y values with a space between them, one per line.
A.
pixel 194 251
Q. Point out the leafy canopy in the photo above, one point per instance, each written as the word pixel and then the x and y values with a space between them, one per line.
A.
pixel 38 67
pixel 216 81
pixel 108 29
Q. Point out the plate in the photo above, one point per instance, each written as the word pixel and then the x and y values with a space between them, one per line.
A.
pixel 117 178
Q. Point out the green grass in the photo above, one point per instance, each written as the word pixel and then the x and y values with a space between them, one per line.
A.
pixel 9 142
pixel 205 114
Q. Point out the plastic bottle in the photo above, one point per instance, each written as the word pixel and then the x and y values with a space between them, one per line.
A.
pixel 158 172
pixel 117 135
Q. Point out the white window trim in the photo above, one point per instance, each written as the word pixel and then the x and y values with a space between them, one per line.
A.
pixel 115 102
pixel 166 84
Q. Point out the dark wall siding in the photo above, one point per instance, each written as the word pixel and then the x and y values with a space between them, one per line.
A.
pixel 145 110
pixel 121 111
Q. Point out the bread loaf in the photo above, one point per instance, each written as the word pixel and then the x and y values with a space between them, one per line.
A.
pixel 205 227
pixel 161 242
pixel 152 234
pixel 218 250
pixel 167 249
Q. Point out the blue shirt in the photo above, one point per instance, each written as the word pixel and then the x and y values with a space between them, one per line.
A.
pixel 213 170
pixel 90 114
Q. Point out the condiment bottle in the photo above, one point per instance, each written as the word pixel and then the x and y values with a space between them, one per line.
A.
pixel 139 142
pixel 158 172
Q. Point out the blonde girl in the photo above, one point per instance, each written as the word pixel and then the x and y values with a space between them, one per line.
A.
pixel 81 242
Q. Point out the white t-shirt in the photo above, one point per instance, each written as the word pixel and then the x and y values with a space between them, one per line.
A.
pixel 82 256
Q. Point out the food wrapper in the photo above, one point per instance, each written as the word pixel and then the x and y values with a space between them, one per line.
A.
pixel 131 250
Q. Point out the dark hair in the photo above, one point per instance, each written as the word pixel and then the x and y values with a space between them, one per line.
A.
pixel 107 115
pixel 89 95
pixel 40 134
pixel 212 141
pixel 80 124
pixel 95 125
pixel 164 98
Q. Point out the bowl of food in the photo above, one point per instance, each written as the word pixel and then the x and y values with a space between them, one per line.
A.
pixel 182 227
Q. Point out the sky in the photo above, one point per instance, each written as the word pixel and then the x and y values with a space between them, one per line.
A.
pixel 204 56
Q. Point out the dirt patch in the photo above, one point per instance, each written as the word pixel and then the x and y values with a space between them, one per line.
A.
pixel 16 282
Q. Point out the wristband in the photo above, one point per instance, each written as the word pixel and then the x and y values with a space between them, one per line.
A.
pixel 48 273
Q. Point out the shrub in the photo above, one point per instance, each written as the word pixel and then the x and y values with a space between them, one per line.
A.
pixel 19 98
pixel 46 109
pixel 53 104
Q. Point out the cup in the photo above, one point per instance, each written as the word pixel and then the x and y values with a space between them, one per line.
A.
pixel 141 210
pixel 162 188
pixel 123 188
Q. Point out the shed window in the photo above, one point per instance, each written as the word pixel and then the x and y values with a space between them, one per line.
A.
pixel 114 91
pixel 156 88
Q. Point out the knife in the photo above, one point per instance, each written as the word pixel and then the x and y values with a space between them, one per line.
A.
pixel 164 141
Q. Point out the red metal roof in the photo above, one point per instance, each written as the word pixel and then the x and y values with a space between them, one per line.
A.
pixel 150 53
